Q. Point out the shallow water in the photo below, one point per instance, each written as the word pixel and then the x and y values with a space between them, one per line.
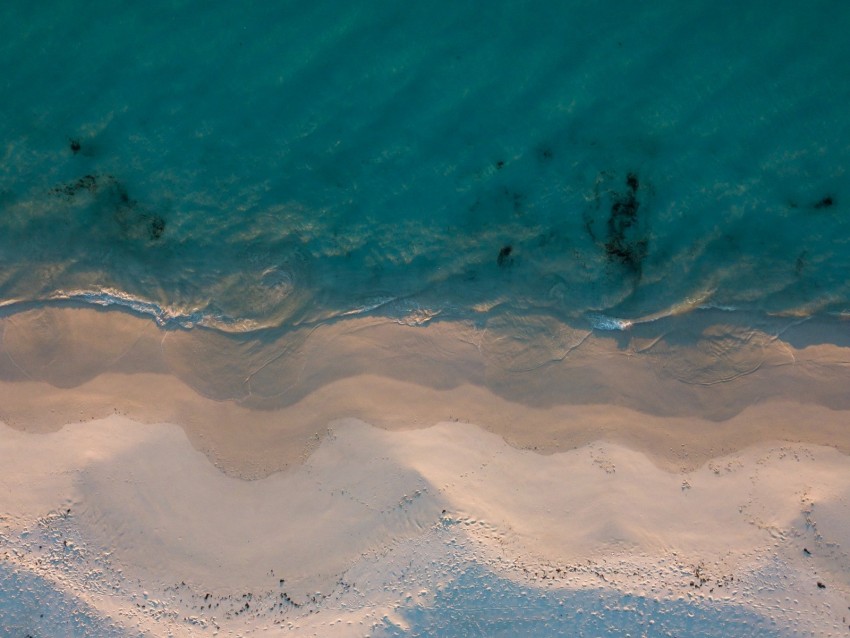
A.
pixel 480 603
pixel 32 605
pixel 253 166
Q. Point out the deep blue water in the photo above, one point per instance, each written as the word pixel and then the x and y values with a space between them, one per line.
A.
pixel 266 164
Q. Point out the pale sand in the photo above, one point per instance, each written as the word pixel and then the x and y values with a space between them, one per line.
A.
pixel 623 464
pixel 377 528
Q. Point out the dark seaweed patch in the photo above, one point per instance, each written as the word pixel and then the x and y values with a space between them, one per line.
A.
pixel 544 153
pixel 504 259
pixel 624 240
pixel 588 227
pixel 112 201
pixel 800 264
pixel 68 191
pixel 500 165
pixel 621 244
pixel 826 202
pixel 123 197
pixel 156 227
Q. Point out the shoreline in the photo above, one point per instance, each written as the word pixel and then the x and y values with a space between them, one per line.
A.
pixel 683 392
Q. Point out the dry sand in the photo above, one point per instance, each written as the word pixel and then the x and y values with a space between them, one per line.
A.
pixel 692 472
pixel 426 531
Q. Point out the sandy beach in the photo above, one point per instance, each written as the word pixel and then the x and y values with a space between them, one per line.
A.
pixel 402 320
pixel 366 477
pixel 681 391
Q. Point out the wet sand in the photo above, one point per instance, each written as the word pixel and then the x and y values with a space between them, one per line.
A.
pixel 681 390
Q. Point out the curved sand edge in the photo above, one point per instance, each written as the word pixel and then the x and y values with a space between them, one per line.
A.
pixel 691 390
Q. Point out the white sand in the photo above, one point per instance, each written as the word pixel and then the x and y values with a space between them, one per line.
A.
pixel 692 480
pixel 380 530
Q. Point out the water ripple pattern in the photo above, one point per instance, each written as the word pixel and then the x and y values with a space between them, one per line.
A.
pixel 270 165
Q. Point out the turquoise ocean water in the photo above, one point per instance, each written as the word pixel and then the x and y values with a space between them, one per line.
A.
pixel 255 164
